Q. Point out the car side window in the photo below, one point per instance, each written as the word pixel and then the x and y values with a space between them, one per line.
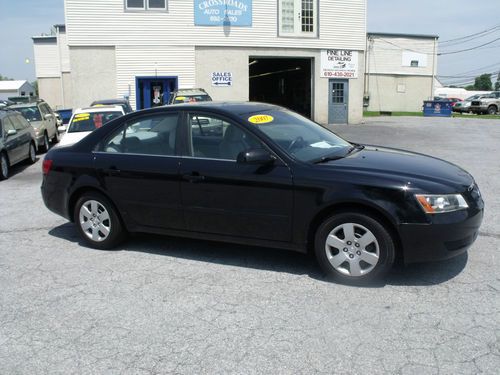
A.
pixel 24 123
pixel 149 135
pixel 7 125
pixel 18 125
pixel 214 138
pixel 42 110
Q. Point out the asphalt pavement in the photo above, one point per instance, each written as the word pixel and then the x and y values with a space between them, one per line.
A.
pixel 167 305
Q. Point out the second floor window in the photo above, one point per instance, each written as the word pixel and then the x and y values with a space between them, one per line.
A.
pixel 298 18
pixel 146 4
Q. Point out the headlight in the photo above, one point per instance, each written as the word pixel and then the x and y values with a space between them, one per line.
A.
pixel 435 204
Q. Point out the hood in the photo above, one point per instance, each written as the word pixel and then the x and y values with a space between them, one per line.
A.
pixel 72 138
pixel 404 165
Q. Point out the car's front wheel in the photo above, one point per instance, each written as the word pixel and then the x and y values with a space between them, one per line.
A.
pixel 46 145
pixel 98 222
pixel 56 137
pixel 354 247
pixel 4 166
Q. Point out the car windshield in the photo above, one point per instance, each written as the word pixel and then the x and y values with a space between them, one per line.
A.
pixel 87 122
pixel 301 138
pixel 191 98
pixel 30 113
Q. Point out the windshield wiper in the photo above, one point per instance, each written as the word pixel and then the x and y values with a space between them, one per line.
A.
pixel 325 159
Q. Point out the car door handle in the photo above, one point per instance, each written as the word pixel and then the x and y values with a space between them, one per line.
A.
pixel 193 177
pixel 112 171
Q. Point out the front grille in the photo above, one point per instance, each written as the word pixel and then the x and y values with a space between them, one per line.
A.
pixel 476 103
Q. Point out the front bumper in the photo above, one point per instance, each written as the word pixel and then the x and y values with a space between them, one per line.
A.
pixel 447 236
pixel 478 109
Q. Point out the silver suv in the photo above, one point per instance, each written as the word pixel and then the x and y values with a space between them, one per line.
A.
pixel 42 119
pixel 489 104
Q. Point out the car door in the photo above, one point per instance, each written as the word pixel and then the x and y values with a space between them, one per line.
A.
pixel 224 197
pixel 12 141
pixel 23 135
pixel 51 125
pixel 138 166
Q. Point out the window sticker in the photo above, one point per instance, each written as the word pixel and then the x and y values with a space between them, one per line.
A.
pixel 261 119
pixel 81 117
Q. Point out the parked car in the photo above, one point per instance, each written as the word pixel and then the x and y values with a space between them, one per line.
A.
pixel 17 141
pixel 42 119
pixel 464 106
pixel 121 102
pixel 188 96
pixel 488 104
pixel 65 115
pixel 269 177
pixel 86 120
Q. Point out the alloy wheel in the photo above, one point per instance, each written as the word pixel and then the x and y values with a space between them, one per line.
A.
pixel 352 249
pixel 95 221
pixel 4 166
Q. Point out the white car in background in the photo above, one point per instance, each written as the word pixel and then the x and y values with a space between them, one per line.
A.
pixel 85 120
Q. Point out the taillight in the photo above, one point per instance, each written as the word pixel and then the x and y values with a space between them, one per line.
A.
pixel 46 166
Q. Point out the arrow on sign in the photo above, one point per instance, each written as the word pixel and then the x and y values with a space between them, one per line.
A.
pixel 222 83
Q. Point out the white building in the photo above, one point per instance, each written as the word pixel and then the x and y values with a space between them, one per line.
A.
pixel 400 71
pixel 11 89
pixel 304 54
pixel 53 68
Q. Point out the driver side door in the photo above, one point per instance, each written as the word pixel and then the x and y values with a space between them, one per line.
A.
pixel 221 196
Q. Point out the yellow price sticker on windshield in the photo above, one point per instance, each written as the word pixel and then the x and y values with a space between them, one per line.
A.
pixel 261 119
pixel 180 98
pixel 81 117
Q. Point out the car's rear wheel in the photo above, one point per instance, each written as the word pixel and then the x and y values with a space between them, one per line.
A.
pixel 97 221
pixel 353 247
pixel 4 166
pixel 492 110
pixel 32 153
pixel 46 145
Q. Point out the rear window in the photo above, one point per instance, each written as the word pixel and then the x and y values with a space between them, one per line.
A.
pixel 30 113
pixel 87 122
pixel 191 98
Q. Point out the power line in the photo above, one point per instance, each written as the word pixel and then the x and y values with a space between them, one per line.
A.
pixel 468 49
pixel 479 34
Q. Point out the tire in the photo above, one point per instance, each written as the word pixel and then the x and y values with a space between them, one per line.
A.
pixel 46 145
pixel 32 154
pixel 492 110
pixel 343 254
pixel 4 166
pixel 56 137
pixel 107 230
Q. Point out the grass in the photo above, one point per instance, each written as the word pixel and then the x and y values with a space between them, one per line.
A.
pixel 420 114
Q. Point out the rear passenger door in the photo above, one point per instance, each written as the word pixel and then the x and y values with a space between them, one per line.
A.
pixel 138 166
pixel 23 135
pixel 11 142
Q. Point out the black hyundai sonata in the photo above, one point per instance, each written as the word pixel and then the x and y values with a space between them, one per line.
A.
pixel 261 175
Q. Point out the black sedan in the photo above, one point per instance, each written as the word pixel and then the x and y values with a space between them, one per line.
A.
pixel 261 175
pixel 17 141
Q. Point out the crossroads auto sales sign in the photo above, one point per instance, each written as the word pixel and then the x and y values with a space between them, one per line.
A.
pixel 223 13
pixel 339 63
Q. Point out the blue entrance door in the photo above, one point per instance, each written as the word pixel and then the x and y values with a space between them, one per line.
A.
pixel 154 91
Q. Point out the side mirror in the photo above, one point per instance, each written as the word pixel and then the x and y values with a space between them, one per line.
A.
pixel 48 116
pixel 61 129
pixel 11 132
pixel 255 156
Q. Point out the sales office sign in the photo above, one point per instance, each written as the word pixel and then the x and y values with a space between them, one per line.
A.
pixel 339 63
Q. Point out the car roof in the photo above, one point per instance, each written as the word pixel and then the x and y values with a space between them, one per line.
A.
pixel 191 91
pixel 110 101
pixel 24 105
pixel 228 107
pixel 99 108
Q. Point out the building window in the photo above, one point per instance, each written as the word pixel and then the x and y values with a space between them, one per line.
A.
pixel 414 63
pixel 298 18
pixel 23 93
pixel 146 4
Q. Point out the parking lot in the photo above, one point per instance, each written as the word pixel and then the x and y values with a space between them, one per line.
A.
pixel 168 305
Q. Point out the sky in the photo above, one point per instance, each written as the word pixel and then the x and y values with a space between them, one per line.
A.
pixel 21 19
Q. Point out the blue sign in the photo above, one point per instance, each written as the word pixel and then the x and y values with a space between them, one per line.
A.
pixel 223 12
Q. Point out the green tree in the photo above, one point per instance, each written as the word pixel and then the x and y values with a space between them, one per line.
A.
pixel 2 78
pixel 35 86
pixel 483 83
pixel 497 83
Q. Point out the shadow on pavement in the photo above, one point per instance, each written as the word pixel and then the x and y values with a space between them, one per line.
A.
pixel 267 258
